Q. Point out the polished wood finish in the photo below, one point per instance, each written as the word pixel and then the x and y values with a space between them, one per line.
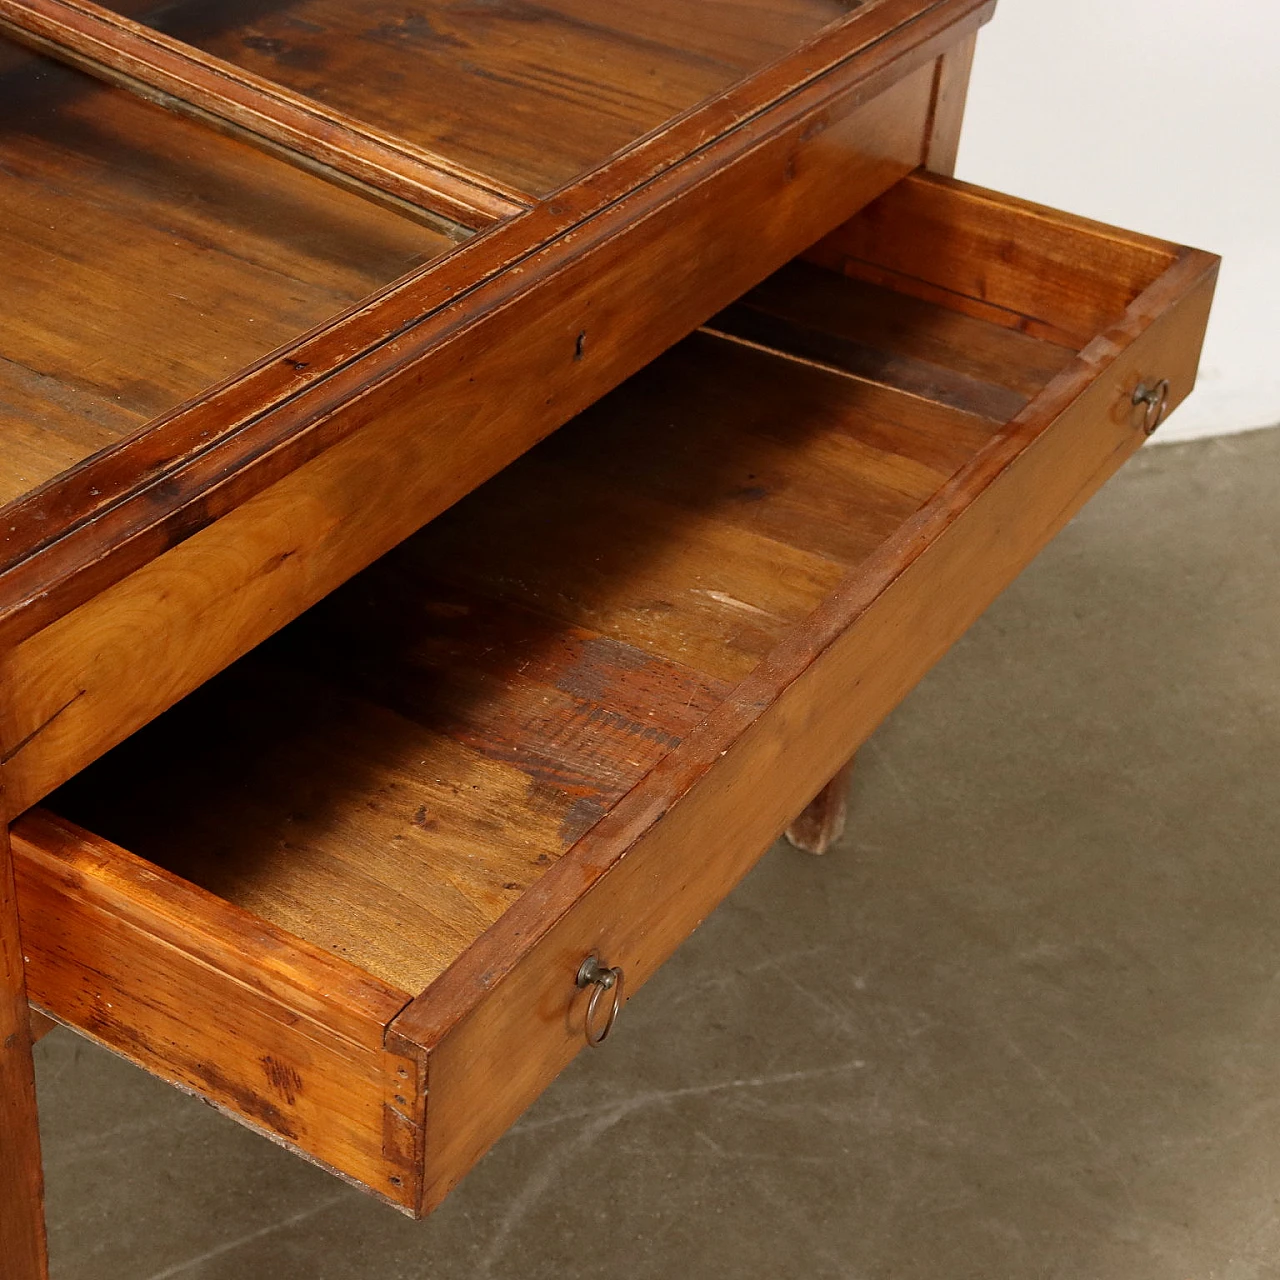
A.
pixel 23 1251
pixel 347 150
pixel 533 94
pixel 490 754
pixel 146 259
pixel 499 691
pixel 822 821
pixel 77 687
pixel 936 353
pixel 1009 261
pixel 629 891
pixel 440 344
pixel 341 891
pixel 123 476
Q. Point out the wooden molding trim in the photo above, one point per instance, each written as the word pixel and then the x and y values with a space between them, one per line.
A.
pixel 290 125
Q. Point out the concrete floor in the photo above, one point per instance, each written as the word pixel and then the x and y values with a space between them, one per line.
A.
pixel 1024 1022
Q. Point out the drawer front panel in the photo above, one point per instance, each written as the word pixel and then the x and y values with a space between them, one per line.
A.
pixel 217 1002
pixel 497 1031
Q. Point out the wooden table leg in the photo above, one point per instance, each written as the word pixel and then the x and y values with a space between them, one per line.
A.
pixel 822 822
pixel 950 88
pixel 23 1254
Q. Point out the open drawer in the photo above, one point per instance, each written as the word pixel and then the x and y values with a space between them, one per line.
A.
pixel 344 891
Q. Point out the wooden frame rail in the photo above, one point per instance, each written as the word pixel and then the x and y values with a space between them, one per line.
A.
pixel 347 151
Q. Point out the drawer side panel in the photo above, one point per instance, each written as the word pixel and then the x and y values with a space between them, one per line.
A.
pixel 808 709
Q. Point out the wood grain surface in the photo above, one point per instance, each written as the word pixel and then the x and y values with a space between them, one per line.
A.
pixel 390 774
pixel 342 890
pixel 275 1032
pixel 774 143
pixel 86 681
pixel 999 258
pixel 629 890
pixel 533 95
pixel 343 149
pixel 146 259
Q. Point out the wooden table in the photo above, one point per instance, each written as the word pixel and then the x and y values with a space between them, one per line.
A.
pixel 364 742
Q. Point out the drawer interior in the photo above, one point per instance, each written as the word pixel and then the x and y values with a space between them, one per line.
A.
pixel 391 773
pixel 388 773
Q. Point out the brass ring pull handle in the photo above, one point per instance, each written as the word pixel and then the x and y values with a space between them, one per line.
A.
pixel 601 980
pixel 1154 400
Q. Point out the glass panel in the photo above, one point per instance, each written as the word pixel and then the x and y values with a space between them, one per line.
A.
pixel 532 94
pixel 144 257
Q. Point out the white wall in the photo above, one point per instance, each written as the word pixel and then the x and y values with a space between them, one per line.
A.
pixel 1162 116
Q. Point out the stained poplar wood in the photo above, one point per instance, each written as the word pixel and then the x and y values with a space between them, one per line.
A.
pixel 1006 260
pixel 941 355
pixel 23 1249
pixel 41 1025
pixel 342 891
pixel 275 1032
pixel 512 671
pixel 107 45
pixel 729 790
pixel 664 629
pixel 823 820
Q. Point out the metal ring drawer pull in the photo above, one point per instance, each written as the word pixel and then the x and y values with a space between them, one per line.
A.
pixel 591 973
pixel 1155 400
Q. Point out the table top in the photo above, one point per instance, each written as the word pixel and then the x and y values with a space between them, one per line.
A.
pixel 210 211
